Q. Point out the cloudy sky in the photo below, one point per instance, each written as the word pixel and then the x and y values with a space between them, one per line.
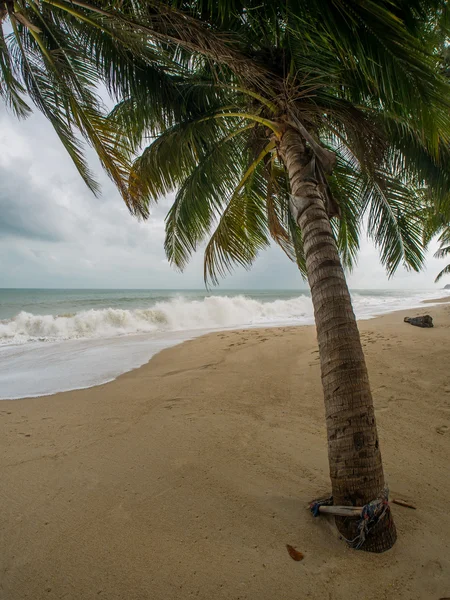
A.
pixel 55 233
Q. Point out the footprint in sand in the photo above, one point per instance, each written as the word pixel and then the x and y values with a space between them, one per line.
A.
pixel 443 429
pixel 433 568
pixel 385 404
pixel 445 406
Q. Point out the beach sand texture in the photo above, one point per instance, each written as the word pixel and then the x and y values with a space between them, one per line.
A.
pixel 187 477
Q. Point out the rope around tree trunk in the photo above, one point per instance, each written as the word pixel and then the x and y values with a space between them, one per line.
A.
pixel 368 515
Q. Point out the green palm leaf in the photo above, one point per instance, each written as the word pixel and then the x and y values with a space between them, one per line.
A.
pixel 444 250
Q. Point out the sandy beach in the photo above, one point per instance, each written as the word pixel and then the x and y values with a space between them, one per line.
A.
pixel 187 477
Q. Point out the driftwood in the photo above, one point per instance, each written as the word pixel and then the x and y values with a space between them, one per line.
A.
pixel 355 511
pixel 403 503
pixel 342 511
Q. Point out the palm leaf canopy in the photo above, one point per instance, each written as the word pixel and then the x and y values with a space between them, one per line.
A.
pixel 212 84
pixel 363 80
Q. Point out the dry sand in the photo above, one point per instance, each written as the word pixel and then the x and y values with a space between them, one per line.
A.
pixel 188 477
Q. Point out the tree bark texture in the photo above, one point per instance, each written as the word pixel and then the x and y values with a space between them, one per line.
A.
pixel 353 448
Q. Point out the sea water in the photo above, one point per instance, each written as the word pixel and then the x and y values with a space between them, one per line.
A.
pixel 58 340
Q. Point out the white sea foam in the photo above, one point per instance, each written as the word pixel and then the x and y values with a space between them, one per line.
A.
pixel 214 312
pixel 179 314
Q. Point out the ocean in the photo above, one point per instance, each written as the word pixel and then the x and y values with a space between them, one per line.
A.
pixel 59 340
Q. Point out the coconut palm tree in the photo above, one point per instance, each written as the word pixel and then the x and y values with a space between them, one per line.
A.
pixel 335 114
pixel 292 122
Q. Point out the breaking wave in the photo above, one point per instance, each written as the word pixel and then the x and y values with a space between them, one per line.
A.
pixel 181 314
pixel 178 314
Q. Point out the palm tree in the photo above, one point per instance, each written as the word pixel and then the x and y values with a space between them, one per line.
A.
pixel 292 122
pixel 333 114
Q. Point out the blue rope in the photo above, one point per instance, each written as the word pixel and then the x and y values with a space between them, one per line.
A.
pixel 371 514
pixel 314 506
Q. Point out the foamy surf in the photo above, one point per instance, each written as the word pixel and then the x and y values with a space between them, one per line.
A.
pixel 46 353
pixel 178 314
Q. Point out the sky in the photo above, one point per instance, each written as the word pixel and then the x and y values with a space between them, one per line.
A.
pixel 54 233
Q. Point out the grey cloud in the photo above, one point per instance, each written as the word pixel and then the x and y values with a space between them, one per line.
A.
pixel 24 210
pixel 55 233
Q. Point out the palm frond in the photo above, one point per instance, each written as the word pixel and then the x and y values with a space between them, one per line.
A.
pixel 10 88
pixel 345 186
pixel 242 230
pixel 42 91
pixel 175 153
pixel 394 220
pixel 444 250
pixel 203 195
pixel 445 271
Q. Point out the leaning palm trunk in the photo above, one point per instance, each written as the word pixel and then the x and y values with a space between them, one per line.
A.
pixel 353 449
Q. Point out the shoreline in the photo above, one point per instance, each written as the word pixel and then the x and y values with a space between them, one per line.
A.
pixel 188 476
pixel 443 300
pixel 436 301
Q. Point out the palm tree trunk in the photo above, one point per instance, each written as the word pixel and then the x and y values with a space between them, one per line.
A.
pixel 353 449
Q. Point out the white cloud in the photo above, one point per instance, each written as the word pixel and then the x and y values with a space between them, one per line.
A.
pixel 55 233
